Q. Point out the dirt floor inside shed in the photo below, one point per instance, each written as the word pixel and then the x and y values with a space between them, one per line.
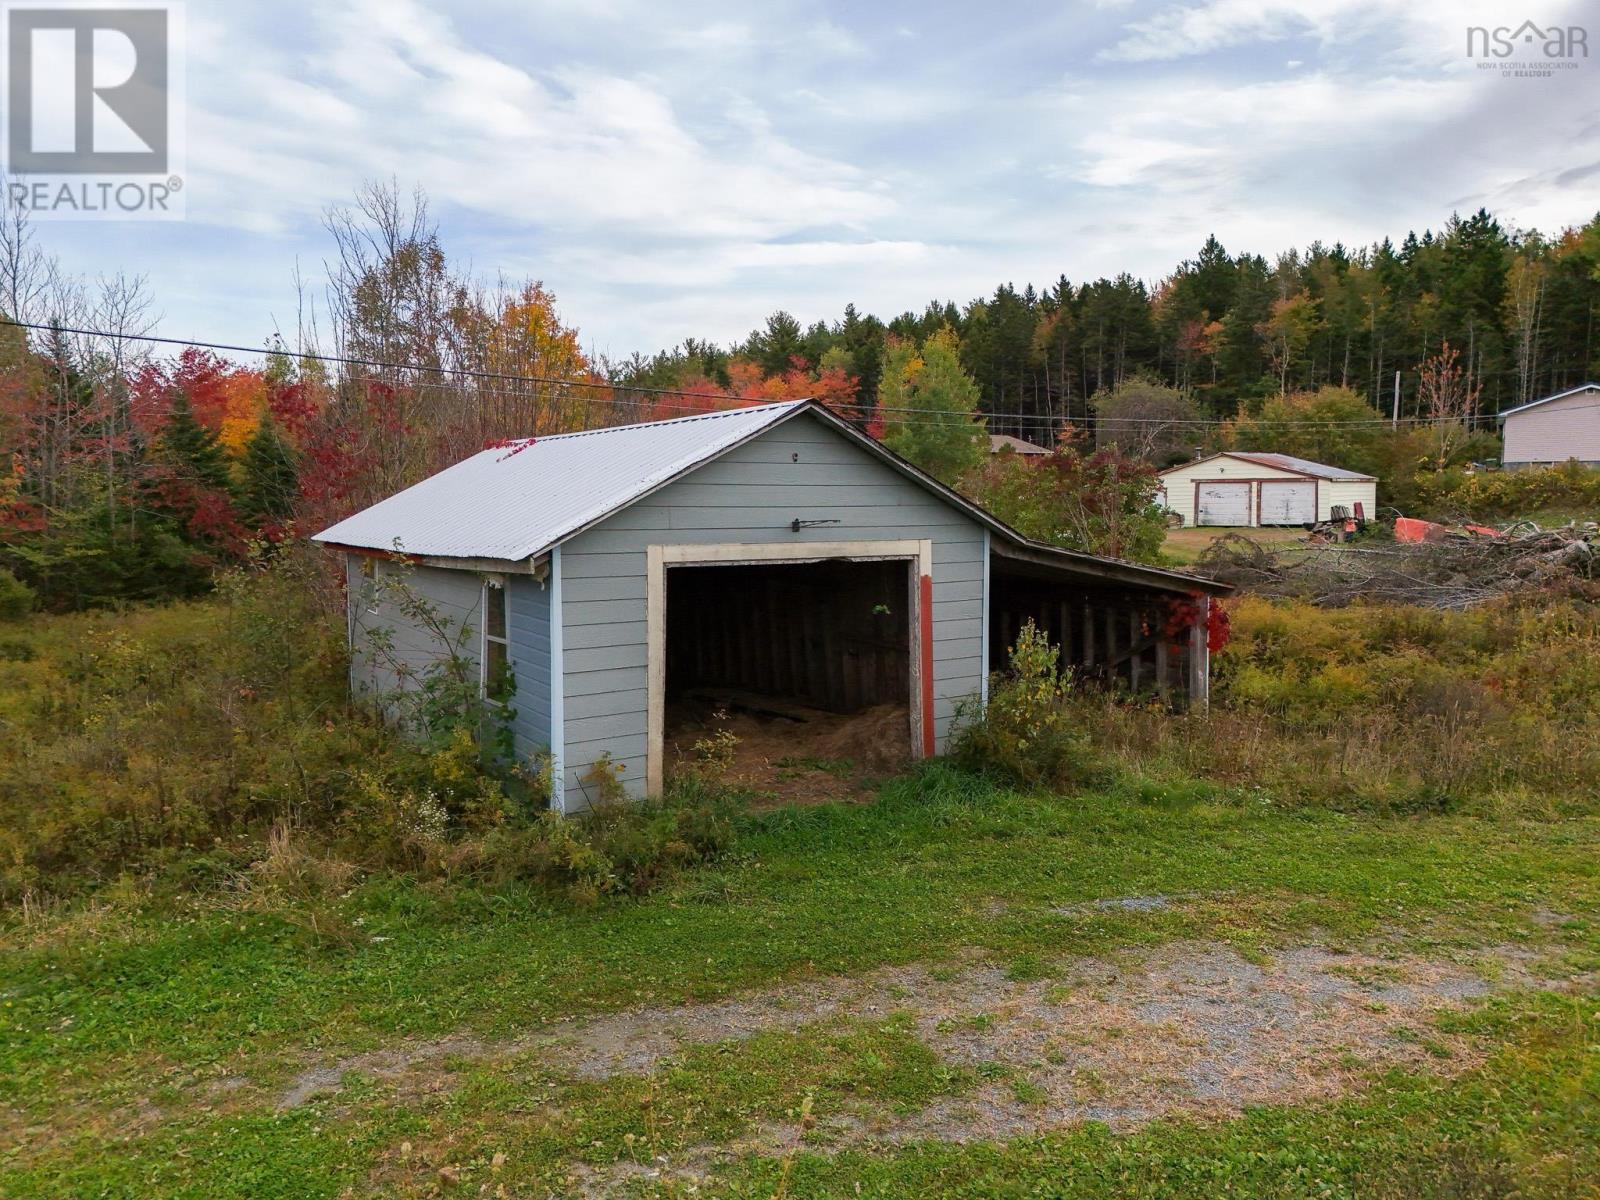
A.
pixel 785 752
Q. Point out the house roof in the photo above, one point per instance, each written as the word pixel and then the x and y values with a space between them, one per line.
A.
pixel 518 501
pixel 1004 441
pixel 1285 462
pixel 1582 387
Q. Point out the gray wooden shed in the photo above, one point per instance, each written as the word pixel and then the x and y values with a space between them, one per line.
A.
pixel 775 549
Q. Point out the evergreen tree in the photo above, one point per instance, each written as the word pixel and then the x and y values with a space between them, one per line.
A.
pixel 271 476
pixel 1215 279
pixel 818 340
pixel 192 450
pixel 1241 357
pixel 776 346
pixel 863 338
pixel 997 348
pixel 1476 264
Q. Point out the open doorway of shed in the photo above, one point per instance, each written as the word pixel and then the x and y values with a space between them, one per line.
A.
pixel 806 665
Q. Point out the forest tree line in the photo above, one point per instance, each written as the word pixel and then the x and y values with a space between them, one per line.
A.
pixel 134 469
pixel 1518 308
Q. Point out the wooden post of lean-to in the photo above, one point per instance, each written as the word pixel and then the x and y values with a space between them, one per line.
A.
pixel 1200 659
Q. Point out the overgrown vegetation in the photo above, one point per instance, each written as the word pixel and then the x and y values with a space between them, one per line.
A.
pixel 1386 707
pixel 171 743
pixel 1566 492
pixel 209 741
pixel 1369 707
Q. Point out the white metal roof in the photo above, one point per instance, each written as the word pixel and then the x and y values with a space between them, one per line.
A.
pixel 1582 387
pixel 1284 462
pixel 1288 462
pixel 512 503
pixel 519 500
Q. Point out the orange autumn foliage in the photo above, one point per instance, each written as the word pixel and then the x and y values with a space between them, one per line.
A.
pixel 244 399
pixel 833 387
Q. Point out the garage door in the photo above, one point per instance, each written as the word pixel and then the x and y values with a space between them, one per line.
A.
pixel 1288 503
pixel 1223 504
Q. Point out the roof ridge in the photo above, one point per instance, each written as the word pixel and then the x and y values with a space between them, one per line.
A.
pixel 722 412
pixel 1587 385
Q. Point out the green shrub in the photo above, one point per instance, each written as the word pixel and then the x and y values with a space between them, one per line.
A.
pixel 17 650
pixel 618 848
pixel 16 598
pixel 212 745
pixel 1026 735
pixel 1570 489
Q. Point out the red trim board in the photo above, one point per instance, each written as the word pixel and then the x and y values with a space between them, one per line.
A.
pixel 926 623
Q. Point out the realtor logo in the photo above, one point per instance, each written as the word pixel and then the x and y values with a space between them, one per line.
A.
pixel 92 109
pixel 87 92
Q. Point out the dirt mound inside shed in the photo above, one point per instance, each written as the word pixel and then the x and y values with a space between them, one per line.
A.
pixel 789 753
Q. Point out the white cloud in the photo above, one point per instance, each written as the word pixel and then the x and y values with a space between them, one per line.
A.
pixel 1180 32
pixel 721 36
pixel 829 38
pixel 393 89
pixel 683 171
pixel 1385 28
pixel 726 263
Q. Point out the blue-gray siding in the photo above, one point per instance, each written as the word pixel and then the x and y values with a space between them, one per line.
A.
pixel 751 494
pixel 410 648
pixel 381 671
pixel 528 639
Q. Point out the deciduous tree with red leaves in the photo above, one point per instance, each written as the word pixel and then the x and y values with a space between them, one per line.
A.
pixel 1103 502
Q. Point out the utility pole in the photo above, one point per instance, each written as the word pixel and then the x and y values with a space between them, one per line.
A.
pixel 1396 421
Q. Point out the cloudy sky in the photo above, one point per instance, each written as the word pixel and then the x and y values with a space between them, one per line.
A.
pixel 684 169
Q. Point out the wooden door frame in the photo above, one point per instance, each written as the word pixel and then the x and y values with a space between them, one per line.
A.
pixel 659 558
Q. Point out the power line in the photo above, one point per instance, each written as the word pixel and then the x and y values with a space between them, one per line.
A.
pixel 1043 419
pixel 345 360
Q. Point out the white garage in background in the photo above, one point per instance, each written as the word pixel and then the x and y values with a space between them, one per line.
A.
pixel 1243 488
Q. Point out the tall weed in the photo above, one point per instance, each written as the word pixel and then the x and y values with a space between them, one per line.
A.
pixel 1386 707
pixel 1026 735
pixel 210 742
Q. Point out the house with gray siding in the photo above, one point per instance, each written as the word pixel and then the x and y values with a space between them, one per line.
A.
pixel 1560 428
pixel 772 549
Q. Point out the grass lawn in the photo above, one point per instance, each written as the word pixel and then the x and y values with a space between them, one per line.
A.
pixel 1184 546
pixel 163 1048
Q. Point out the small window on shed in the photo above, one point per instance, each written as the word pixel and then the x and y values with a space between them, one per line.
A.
pixel 496 650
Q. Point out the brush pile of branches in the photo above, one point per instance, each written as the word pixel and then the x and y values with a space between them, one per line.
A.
pixel 1456 570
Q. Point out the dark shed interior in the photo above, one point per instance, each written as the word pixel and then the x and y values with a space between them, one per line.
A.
pixel 795 677
pixel 1107 633
pixel 832 635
